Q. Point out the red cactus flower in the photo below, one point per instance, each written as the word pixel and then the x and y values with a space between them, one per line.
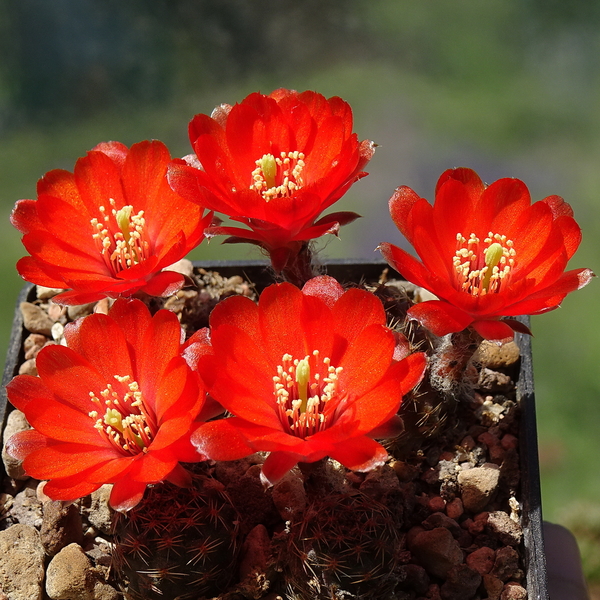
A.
pixel 486 252
pixel 274 163
pixel 109 228
pixel 307 373
pixel 116 405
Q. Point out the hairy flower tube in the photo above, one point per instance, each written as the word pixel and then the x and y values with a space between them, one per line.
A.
pixel 306 373
pixel 487 252
pixel 274 163
pixel 116 405
pixel 109 228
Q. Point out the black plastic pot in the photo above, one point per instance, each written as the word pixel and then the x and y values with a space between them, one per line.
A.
pixel 353 270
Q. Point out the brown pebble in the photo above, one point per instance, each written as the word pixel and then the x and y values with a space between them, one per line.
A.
pixel 55 312
pixel 461 583
pixel 433 593
pixel 21 563
pixel 476 527
pixel 412 534
pixel 255 552
pixel 28 368
pixel 488 439
pixel 493 586
pixel 437 551
pixel 493 381
pixel 33 343
pixel 455 509
pixel 478 486
pixel 508 531
pixel 15 423
pixel 513 591
pixel 102 306
pixel 481 560
pixel 510 442
pixel 489 354
pixel 45 293
pixel 440 519
pixel 468 443
pixel 436 504
pixel 506 564
pixel 404 471
pixel 77 311
pixel 35 319
pixel 430 476
pixel 70 575
pixel 464 539
pixel 414 578
pixel 497 454
pixel 61 525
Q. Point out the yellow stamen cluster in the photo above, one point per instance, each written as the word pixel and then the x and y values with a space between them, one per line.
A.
pixel 126 422
pixel 122 242
pixel 278 176
pixel 302 397
pixel 482 268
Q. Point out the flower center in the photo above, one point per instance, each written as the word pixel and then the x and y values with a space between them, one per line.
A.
pixel 304 395
pixel 278 177
pixel 126 423
pixel 120 237
pixel 481 268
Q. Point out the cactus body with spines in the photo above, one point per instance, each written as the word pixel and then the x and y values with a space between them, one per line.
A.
pixel 344 546
pixel 178 543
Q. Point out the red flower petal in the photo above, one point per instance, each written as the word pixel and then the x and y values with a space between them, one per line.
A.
pixel 440 317
pixel 468 225
pixel 360 454
pixel 325 288
pixel 495 331
pixel 125 494
pixel 410 268
pixel 367 359
pixel 63 459
pixel 355 311
pixel 551 297
pixel 279 306
pixel 353 390
pixel 116 407
pixel 380 403
pixel 400 206
pixel 58 367
pixel 221 440
pixel 21 444
pixel 74 228
pixel 70 488
pixel 276 466
pixel 231 144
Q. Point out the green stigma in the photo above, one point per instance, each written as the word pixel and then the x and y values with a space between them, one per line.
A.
pixel 123 220
pixel 269 169
pixel 113 419
pixel 302 379
pixel 492 257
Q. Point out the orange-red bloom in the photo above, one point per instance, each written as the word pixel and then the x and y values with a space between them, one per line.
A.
pixel 274 163
pixel 109 228
pixel 115 406
pixel 486 252
pixel 307 373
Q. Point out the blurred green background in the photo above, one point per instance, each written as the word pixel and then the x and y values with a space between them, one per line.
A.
pixel 507 87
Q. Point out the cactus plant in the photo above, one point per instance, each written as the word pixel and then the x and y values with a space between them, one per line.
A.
pixel 177 543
